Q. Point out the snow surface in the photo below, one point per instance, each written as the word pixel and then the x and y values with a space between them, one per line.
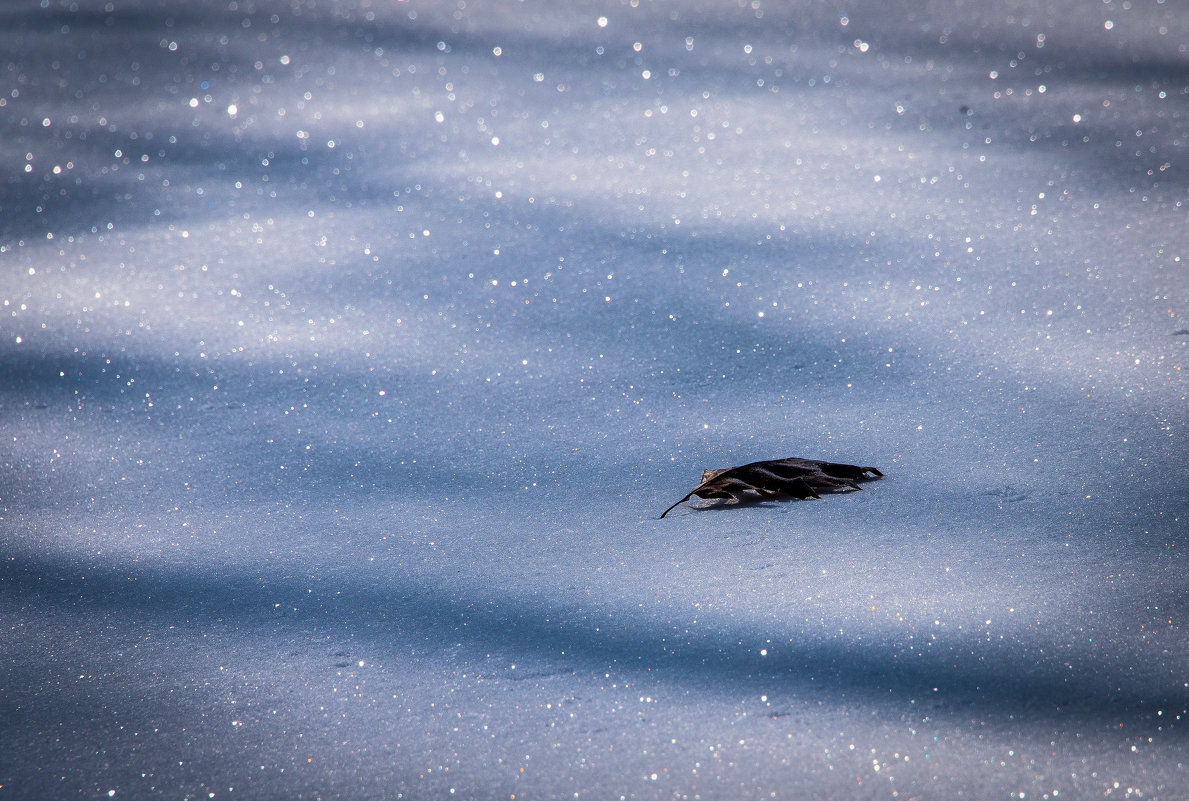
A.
pixel 350 351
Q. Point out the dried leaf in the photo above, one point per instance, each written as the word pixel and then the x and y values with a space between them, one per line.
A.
pixel 797 478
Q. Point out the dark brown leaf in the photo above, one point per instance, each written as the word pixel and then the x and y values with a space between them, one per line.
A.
pixel 796 478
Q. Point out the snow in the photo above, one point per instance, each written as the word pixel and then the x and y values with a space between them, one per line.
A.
pixel 350 352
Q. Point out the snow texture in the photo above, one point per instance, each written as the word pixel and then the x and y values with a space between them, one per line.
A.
pixel 350 351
